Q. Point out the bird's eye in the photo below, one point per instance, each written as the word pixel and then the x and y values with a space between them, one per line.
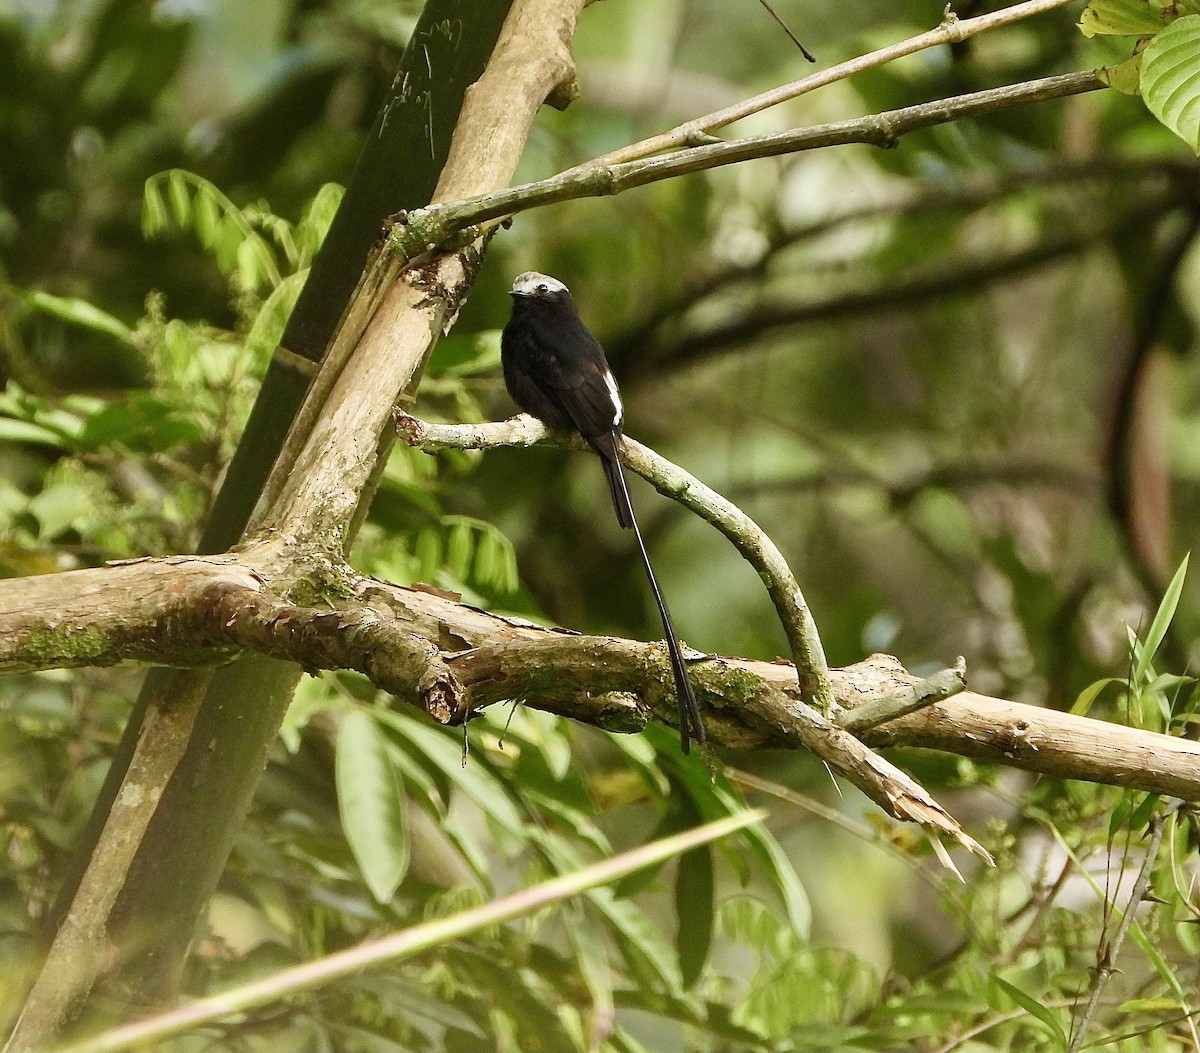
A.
pixel 543 287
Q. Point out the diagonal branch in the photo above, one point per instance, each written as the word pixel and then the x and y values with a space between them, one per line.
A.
pixel 417 231
pixel 671 481
pixel 805 722
pixel 952 30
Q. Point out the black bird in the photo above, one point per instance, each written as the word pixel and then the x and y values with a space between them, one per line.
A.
pixel 555 369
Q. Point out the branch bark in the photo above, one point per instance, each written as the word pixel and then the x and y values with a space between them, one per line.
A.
pixel 611 683
pixel 417 231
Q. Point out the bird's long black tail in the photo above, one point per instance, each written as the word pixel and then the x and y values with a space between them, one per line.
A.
pixel 690 723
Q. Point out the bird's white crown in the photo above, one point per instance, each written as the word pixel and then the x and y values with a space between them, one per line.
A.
pixel 531 283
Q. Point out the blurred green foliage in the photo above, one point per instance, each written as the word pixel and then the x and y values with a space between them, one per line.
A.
pixel 955 381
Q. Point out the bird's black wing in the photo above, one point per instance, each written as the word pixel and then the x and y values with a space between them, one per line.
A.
pixel 559 355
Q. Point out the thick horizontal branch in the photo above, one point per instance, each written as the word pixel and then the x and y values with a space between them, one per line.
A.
pixel 193 611
pixel 611 683
pixel 350 636
pixel 750 705
pixel 138 610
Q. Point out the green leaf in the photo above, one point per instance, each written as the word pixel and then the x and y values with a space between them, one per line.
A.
pixel 1032 1006
pixel 1087 697
pixel 1125 77
pixel 63 505
pixel 81 313
pixel 28 432
pixel 154 210
pixel 178 197
pixel 1118 819
pixel 459 550
pixel 641 942
pixel 317 216
pixel 695 908
pixel 141 421
pixel 1149 1005
pixel 371 803
pixel 1142 813
pixel 1171 79
pixel 1170 601
pixel 473 779
pixel 272 317
pixel 774 861
pixel 672 822
pixel 1122 18
pixel 592 962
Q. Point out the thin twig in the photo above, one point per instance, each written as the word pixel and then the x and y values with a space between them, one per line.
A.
pixel 418 231
pixel 682 345
pixel 787 29
pixel 941 685
pixel 1107 966
pixel 408 942
pixel 937 196
pixel 951 31
pixel 671 481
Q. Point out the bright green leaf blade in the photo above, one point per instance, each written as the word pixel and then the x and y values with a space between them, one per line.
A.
pixel 476 781
pixel 81 313
pixel 1122 18
pixel 695 909
pixel 779 869
pixel 1032 1006
pixel 371 803
pixel 272 317
pixel 1170 601
pixel 25 431
pixel 592 961
pixel 1171 78
pixel 641 943
pixel 1087 697
pixel 1142 813
pixel 1125 77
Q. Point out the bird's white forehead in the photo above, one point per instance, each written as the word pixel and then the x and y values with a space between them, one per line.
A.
pixel 527 284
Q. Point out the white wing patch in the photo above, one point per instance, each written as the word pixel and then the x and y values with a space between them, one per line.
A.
pixel 611 383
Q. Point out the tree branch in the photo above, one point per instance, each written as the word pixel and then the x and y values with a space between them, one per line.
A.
pixel 945 684
pixel 1111 951
pixel 671 481
pixel 415 232
pixel 952 30
pixel 752 705
pixel 683 345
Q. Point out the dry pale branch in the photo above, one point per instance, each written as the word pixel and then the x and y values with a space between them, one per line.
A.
pixel 611 683
pixel 807 722
pixel 907 700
